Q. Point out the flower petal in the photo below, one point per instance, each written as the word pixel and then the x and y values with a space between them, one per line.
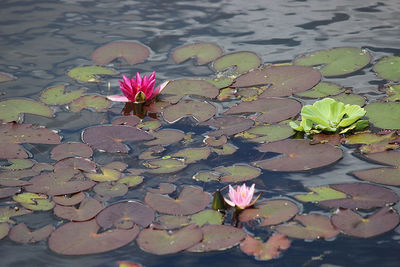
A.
pixel 230 203
pixel 118 98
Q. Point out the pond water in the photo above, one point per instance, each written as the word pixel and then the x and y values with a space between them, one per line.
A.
pixel 41 41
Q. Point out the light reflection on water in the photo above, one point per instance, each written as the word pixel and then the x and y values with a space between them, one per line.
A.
pixel 41 40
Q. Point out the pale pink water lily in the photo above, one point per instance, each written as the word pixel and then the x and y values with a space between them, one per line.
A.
pixel 139 89
pixel 242 197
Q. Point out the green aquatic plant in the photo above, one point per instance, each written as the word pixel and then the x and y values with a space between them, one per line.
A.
pixel 329 115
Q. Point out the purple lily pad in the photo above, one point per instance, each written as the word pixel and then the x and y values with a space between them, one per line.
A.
pixel 200 111
pixel 66 200
pixel 228 125
pixel 26 133
pixel 12 178
pixel 166 137
pixel 88 208
pixel 216 141
pixel 82 238
pixel 283 80
pixel 271 109
pixel 21 234
pixel 203 52
pixel 108 138
pixel 265 251
pixel 132 52
pixel 76 164
pixel 351 223
pixel 164 188
pixel 4 229
pixel 12 151
pixel 298 155
pixel 131 120
pixel 110 190
pixel 70 150
pixel 9 191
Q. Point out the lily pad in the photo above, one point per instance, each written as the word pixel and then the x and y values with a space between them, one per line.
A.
pixel 228 125
pixel 125 215
pixel 221 82
pixel 242 61
pixel 12 109
pixel 271 109
pixel 393 92
pixel 9 191
pixel 13 178
pixel 96 102
pixel 350 99
pixel 177 89
pixel 108 138
pixel 8 212
pixel 272 212
pixel 361 196
pixel 298 155
pixel 207 217
pixel 34 201
pixel 88 208
pixel 227 149
pixel 322 89
pixel 106 175
pixel 69 200
pixel 170 222
pixel 13 151
pixel 218 237
pixel 82 238
pixel 4 229
pixel 320 193
pixel 166 137
pixel 110 190
pixel 265 251
pixel 26 133
pixel 70 150
pixel 77 164
pixel 388 68
pixel 283 80
pixel 191 200
pixel 204 176
pixel 215 141
pixel 55 95
pixel 384 115
pixel 161 242
pixel 203 52
pixel 372 143
pixel 18 164
pixel 237 173
pixel 192 155
pixel 131 180
pixel 309 227
pixel 200 111
pixel 270 133
pixel 353 224
pixel 132 52
pixel 127 120
pixel 89 73
pixel 149 125
pixel 163 188
pixel 21 234
pixel 6 77
pixel 336 61
pixel 167 165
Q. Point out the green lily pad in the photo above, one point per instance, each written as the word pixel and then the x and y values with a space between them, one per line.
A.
pixel 96 102
pixel 18 164
pixel 203 52
pixel 242 61
pixel 13 151
pixel 149 125
pixel 298 155
pixel 11 109
pixel 322 89
pixel 82 238
pixel 237 173
pixel 393 92
pixel 221 82
pixel 106 175
pixel 177 89
pixel 21 234
pixel 170 222
pixel 109 190
pixel 270 133
pixel 191 200
pixel 227 149
pixel 166 137
pixel 116 165
pixel 192 155
pixel 320 193
pixel 265 251
pixel 8 212
pixel 90 73
pixel 6 77
pixel 228 125
pixel 161 242
pixel 350 99
pixel 200 111
pixel 69 200
pixel 131 180
pixel 272 212
pixel 206 176
pixel 271 109
pixel 4 229
pixel 384 115
pixel 373 143
pixel 207 217
pixel 34 201
pixel 336 61
pixel 132 52
pixel 167 165
pixel 388 68
pixel 351 223
pixel 218 237
pixel 109 138
pixel 283 80
pixel 70 150
pixel 55 95
pixel 309 227
pixel 88 208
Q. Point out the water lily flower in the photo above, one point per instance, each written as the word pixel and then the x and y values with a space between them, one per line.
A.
pixel 242 197
pixel 139 89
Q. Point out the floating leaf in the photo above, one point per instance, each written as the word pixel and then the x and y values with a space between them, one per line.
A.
pixel 228 125
pixel 11 109
pixel 221 82
pixel 170 222
pixel 131 180
pixel 200 111
pixel 242 61
pixel 149 125
pixel 350 99
pixel 55 95
pixel 66 200
pixel 191 200
pixel 218 237
pixel 8 212
pixel 271 109
pixel 215 141
pixel 192 155
pixel 9 191
pixel 89 73
pixel 265 251
pixel 108 138
pixel 298 155
pixel 283 80
pixel 18 164
pixel 206 176
pixel 164 165
pixel 13 178
pixel 227 149
pixel 161 242
pixel 373 142
pixel 309 227
pixel 166 137
pixel 106 175
pixel 131 120
pixel 70 150
pixel 388 68
pixel 81 238
pixel 237 173
pixel 207 217
pixel 88 208
pixel 21 234
pixel 163 188
pixel 203 52
pixel 4 229
pixel 77 164
pixel 393 92
pixel 384 115
pixel 26 133
pixel 320 193
pixel 6 77
pixel 14 151
pixel 353 224
pixel 273 212
pixel 337 61
pixel 177 89
pixel 34 201
pixel 110 190
pixel 322 89
pixel 125 215
pixel 132 52
pixel 96 102
pixel 270 133
pixel 361 196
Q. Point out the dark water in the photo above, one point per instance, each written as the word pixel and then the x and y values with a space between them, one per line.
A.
pixel 41 40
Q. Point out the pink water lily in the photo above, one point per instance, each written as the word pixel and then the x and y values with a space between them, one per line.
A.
pixel 241 197
pixel 139 89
